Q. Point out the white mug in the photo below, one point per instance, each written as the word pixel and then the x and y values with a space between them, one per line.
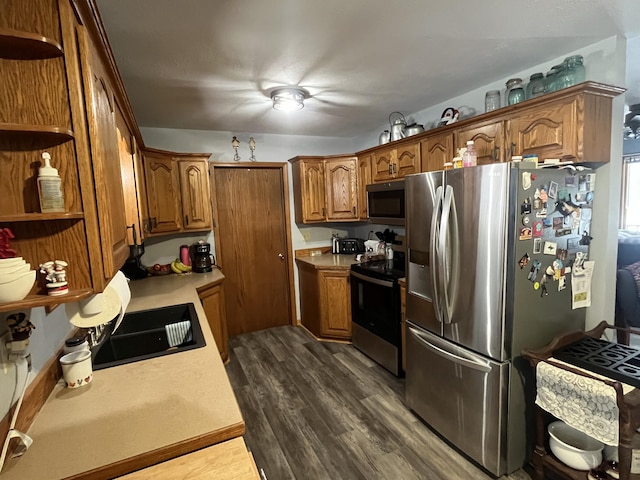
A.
pixel 76 368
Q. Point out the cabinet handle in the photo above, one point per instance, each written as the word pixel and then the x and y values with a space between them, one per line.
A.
pixel 512 149
pixel 186 219
pixel 154 222
pixel 496 153
pixel 390 169
pixel 324 212
pixel 395 168
pixel 354 210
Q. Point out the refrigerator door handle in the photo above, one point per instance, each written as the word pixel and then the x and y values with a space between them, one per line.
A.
pixel 444 266
pixel 472 361
pixel 435 256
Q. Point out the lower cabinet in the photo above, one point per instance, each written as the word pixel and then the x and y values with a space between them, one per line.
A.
pixel 325 301
pixel 212 299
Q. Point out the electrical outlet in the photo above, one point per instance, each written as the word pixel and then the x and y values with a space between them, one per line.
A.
pixel 306 235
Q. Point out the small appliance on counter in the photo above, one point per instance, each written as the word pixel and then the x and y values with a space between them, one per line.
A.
pixel 133 267
pixel 201 259
pixel 351 245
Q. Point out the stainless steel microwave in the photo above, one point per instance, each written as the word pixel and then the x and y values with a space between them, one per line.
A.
pixel 385 202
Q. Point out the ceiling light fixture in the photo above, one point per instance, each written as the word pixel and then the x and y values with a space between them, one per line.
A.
pixel 288 99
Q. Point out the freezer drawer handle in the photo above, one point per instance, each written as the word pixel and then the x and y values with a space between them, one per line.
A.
pixel 474 363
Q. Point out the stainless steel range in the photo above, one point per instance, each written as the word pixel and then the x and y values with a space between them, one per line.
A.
pixel 375 310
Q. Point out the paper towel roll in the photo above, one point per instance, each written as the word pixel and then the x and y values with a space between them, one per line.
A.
pixel 102 307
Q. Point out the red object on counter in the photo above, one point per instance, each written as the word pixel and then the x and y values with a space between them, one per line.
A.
pixel 184 255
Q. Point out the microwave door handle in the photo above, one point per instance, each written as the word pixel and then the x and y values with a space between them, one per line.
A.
pixel 435 225
pixel 473 361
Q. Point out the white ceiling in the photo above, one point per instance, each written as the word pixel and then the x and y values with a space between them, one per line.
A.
pixel 209 65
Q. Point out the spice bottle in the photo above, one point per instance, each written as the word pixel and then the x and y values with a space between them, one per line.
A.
pixel 469 157
pixel 50 187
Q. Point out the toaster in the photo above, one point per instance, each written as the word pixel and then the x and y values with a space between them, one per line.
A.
pixel 351 245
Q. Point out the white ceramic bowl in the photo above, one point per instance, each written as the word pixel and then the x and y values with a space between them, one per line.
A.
pixel 17 288
pixel 574 448
pixel 8 262
pixel 15 270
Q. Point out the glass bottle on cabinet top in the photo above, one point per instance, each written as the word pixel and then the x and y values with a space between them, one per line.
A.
pixel 535 87
pixel 515 91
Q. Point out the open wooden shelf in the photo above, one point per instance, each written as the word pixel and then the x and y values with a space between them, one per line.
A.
pixel 39 217
pixel 18 45
pixel 47 135
pixel 32 301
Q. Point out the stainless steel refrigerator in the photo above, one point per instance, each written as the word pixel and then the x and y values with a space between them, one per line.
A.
pixel 490 250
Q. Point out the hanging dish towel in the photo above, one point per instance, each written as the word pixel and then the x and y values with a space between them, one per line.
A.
pixel 178 333
pixel 584 403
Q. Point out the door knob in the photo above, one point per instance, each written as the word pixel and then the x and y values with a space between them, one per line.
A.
pixel 281 256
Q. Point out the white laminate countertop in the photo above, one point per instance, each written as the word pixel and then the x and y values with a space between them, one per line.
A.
pixel 137 408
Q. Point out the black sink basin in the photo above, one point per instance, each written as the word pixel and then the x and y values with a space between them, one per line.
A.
pixel 150 333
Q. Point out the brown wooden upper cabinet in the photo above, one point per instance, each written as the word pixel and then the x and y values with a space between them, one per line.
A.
pixel 488 140
pixel 389 163
pixel 178 194
pixel 551 131
pixel 105 155
pixel 436 150
pixel 364 179
pixel 325 189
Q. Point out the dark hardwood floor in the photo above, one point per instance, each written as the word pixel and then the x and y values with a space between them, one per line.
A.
pixel 322 410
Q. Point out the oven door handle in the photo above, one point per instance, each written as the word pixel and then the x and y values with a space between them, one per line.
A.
pixel 377 281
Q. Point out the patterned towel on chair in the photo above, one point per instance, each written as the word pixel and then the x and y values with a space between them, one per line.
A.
pixel 634 270
pixel 582 403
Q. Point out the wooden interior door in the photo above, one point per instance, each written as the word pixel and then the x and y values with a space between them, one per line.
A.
pixel 253 244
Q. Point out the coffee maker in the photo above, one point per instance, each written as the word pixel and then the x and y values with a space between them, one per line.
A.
pixel 201 259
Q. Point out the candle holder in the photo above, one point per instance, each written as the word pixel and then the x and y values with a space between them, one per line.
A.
pixel 236 143
pixel 252 147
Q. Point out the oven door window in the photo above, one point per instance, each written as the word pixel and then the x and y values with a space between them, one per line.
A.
pixel 375 306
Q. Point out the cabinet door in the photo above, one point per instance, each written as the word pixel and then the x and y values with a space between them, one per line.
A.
pixel 313 194
pixel 407 160
pixel 550 131
pixel 212 299
pixel 105 158
pixel 488 140
pixel 163 193
pixel 382 162
pixel 364 179
pixel 335 303
pixel 341 188
pixel 128 173
pixel 141 191
pixel 196 197
pixel 436 151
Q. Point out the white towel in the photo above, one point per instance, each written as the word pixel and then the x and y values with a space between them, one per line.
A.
pixel 178 333
pixel 583 403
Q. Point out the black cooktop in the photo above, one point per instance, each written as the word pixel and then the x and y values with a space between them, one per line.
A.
pixel 612 360
pixel 385 269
